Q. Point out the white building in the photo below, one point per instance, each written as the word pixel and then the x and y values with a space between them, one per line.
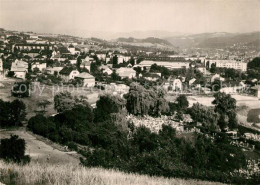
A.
pixel 167 64
pixel 238 65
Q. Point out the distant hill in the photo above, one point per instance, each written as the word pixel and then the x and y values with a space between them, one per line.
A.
pixel 151 40
pixel 216 40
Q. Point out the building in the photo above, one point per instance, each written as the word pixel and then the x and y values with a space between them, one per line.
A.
pixel 68 73
pixel 167 64
pixel 87 79
pixel 32 46
pixel 125 72
pixel 20 68
pixel 238 65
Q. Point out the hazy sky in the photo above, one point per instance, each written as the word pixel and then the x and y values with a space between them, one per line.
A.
pixel 79 16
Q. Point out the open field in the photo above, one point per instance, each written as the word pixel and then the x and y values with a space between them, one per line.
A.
pixel 49 174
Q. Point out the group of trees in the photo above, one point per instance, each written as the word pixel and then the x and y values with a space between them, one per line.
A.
pixel 223 116
pixel 12 113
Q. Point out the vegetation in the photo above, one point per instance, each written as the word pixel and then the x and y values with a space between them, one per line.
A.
pixel 71 174
pixel 137 149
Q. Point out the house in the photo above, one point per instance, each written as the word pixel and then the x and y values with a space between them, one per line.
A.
pixel 40 66
pixel 68 73
pixel 20 68
pixel 106 69
pixel 125 72
pixel 216 76
pixel 54 70
pixel 87 79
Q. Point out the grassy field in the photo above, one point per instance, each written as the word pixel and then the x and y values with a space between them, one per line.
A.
pixel 35 173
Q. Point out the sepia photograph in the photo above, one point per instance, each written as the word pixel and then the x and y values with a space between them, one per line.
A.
pixel 129 92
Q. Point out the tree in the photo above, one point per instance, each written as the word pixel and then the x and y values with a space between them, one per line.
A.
pixel 254 64
pixel 64 101
pixel 182 102
pixel 115 76
pixel 106 105
pixel 225 105
pixel 18 112
pixel 141 101
pixel 216 85
pixel 115 60
pixel 13 149
pixel 10 74
pixel 204 115
pixel 43 104
pixel 132 61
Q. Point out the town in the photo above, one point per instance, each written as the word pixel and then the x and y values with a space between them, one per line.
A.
pixel 136 87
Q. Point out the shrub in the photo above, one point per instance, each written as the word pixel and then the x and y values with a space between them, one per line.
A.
pixel 13 149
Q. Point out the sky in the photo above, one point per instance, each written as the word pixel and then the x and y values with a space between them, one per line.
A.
pixel 82 17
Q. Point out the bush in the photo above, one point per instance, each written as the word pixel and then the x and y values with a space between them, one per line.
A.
pixel 13 149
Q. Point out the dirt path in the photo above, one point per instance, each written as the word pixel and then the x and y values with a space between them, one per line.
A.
pixel 41 152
